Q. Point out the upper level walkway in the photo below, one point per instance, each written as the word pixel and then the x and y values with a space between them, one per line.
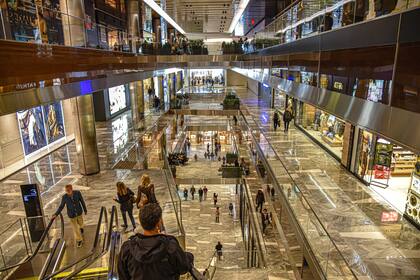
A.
pixel 349 211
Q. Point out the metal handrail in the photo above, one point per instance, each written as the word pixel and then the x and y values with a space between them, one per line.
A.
pixel 301 196
pixel 169 171
pixel 102 215
pixel 106 244
pixel 40 243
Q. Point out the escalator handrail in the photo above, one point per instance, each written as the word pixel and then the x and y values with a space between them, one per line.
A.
pixel 105 248
pixel 40 244
pixel 102 214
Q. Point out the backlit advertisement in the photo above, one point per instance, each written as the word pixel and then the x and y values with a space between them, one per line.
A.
pixel 117 99
pixel 32 129
pixel 40 126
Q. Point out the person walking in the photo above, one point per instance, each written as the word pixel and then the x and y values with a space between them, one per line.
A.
pixel 76 206
pixel 231 209
pixel 275 120
pixel 217 214
pixel 192 191
pixel 215 195
pixel 205 190
pixel 206 274
pixel 265 219
pixel 185 194
pixel 200 194
pixel 219 250
pixel 268 190
pixel 152 255
pixel 287 118
pixel 273 192
pixel 125 197
pixel 260 199
pixel 235 120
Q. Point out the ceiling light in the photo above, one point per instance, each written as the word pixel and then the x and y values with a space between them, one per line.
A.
pixel 152 4
pixel 238 13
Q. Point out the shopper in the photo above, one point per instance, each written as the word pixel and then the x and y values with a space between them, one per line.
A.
pixel 265 219
pixel 231 209
pixel 217 214
pixel 185 194
pixel 205 190
pixel 235 120
pixel 125 197
pixel 268 190
pixel 275 120
pixel 73 200
pixel 200 194
pixel 260 199
pixel 273 192
pixel 287 118
pixel 152 255
pixel 215 195
pixel 206 274
pixel 219 250
pixel 145 192
pixel 192 191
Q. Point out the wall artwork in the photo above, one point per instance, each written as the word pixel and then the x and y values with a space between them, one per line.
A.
pixel 32 129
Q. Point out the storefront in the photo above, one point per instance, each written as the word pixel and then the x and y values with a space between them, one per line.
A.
pixel 148 99
pixel 111 102
pixel 198 77
pixel 386 167
pixel 333 133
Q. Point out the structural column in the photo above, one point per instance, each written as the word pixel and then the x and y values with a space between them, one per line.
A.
pixel 137 98
pixel 73 25
pixel 84 123
pixel 161 91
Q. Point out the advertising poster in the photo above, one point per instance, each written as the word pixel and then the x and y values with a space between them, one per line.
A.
pixel 117 99
pixel 383 154
pixel 32 130
pixel 54 122
pixel 50 23
pixel 23 20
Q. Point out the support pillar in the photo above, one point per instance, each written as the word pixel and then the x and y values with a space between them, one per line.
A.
pixel 174 130
pixel 161 91
pixel 162 146
pixel 86 147
pixel 137 98
pixel 73 25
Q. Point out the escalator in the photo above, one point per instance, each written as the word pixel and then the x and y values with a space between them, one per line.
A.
pixel 54 258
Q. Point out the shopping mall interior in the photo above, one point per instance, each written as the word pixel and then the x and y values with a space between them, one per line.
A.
pixel 280 139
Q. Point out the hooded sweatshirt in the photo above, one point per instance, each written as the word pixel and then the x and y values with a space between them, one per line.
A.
pixel 157 257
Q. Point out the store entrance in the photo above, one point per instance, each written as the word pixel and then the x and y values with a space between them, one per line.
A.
pixel 386 167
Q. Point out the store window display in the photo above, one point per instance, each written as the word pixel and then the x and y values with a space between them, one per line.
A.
pixel 387 167
pixel 209 77
pixel 325 128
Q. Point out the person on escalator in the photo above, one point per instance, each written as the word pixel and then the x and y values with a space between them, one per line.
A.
pixel 153 255
pixel 125 197
pixel 75 204
pixel 145 192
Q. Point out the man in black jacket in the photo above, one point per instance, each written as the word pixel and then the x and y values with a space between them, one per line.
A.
pixel 75 208
pixel 152 255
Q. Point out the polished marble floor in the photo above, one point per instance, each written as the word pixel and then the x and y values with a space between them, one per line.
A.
pixel 347 209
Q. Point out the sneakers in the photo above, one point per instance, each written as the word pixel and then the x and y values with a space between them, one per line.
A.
pixel 79 244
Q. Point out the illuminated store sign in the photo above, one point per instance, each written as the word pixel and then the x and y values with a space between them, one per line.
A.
pixel 117 99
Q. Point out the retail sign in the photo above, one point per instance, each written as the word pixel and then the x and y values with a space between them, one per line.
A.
pixel 415 183
pixel 389 216
pixel 383 154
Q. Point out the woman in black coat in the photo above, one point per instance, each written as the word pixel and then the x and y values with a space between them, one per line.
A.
pixel 125 197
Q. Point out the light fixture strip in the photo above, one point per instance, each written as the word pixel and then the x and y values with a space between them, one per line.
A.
pixel 152 4
pixel 238 13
